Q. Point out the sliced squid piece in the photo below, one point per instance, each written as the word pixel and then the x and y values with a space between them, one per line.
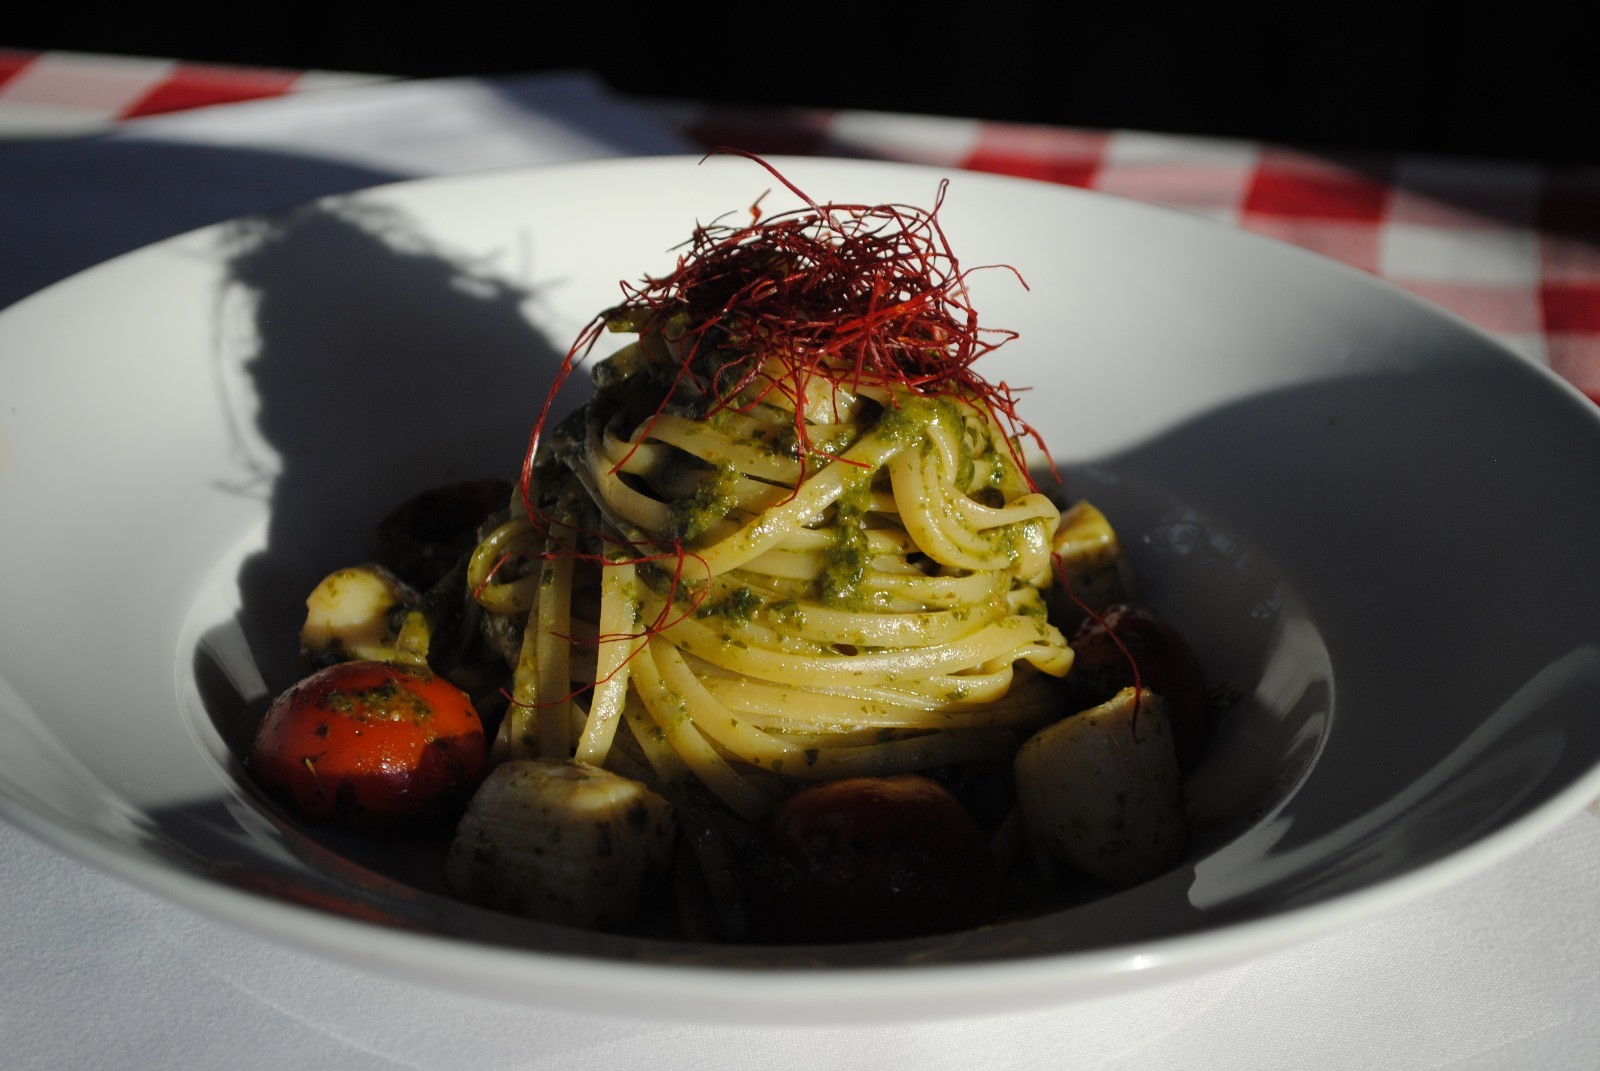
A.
pixel 1100 791
pixel 1097 569
pixel 562 842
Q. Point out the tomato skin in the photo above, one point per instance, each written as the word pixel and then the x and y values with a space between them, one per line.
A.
pixel 870 858
pixel 371 744
pixel 1167 666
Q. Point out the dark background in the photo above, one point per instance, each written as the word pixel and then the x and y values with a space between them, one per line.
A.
pixel 1501 80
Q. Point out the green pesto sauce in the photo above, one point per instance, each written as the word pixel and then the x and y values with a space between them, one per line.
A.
pixel 902 421
pixel 740 604
pixel 845 562
pixel 684 593
pixel 823 444
pixel 905 424
pixel 619 367
pixel 388 701
pixel 690 518
pixel 786 443
pixel 788 612
pixel 846 566
pixel 1004 540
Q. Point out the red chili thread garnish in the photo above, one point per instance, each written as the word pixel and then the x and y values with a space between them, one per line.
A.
pixel 1097 618
pixel 862 295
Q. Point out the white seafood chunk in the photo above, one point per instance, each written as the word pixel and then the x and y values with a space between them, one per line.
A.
pixel 561 841
pixel 1100 791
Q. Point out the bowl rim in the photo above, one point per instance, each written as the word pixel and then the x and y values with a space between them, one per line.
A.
pixel 733 993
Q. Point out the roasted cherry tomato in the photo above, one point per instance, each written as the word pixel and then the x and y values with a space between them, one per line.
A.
pixel 871 858
pixel 371 744
pixel 1167 666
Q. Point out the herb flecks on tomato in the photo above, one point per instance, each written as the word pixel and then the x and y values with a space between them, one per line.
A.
pixel 373 744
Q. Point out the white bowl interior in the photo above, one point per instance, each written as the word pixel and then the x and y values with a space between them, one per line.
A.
pixel 1366 515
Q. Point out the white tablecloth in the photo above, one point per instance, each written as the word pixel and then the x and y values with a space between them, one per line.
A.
pixel 1502 972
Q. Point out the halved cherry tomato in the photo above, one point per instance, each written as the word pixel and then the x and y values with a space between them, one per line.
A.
pixel 371 744
pixel 870 858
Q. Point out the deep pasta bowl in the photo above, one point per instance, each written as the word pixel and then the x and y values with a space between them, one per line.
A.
pixel 1374 524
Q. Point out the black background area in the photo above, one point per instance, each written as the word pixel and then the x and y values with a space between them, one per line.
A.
pixel 1486 80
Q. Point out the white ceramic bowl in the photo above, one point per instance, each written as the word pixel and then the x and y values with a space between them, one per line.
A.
pixel 1368 516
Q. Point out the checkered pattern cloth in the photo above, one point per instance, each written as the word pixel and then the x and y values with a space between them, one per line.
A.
pixel 1511 247
pixel 56 93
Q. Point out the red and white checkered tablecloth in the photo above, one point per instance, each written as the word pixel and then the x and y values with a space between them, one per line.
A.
pixel 1513 247
pixel 53 93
